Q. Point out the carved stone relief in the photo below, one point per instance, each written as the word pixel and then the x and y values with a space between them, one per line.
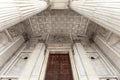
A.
pixel 16 30
pixel 102 32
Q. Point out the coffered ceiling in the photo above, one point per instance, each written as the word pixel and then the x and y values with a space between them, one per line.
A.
pixel 58 22
pixel 53 26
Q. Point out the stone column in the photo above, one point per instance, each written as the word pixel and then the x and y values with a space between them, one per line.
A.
pixel 15 11
pixel 39 65
pixel 74 70
pixel 83 64
pixel 31 69
pixel 103 12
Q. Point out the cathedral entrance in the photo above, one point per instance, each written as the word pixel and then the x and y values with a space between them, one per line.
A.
pixel 59 67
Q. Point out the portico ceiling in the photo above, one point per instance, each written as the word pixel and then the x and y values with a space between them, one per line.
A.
pixel 60 23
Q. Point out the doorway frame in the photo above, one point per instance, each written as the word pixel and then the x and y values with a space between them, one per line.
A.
pixel 62 50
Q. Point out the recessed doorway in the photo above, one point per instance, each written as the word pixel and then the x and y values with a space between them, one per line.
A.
pixel 59 67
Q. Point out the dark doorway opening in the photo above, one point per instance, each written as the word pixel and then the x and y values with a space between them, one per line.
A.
pixel 59 67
